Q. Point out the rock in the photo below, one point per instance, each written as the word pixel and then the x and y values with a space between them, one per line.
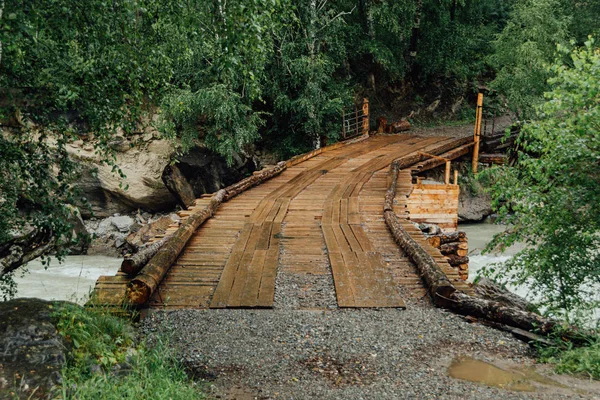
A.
pixel 32 352
pixel 207 172
pixel 108 193
pixel 122 223
pixel 148 231
pixel 119 241
pixel 105 227
pixel 178 185
pixel 473 207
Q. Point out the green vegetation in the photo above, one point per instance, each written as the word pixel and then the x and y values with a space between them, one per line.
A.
pixel 107 364
pixel 549 198
pixel 571 359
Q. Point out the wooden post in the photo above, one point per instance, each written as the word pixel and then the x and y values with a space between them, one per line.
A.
pixel 356 119
pixel 477 133
pixel 365 122
pixel 447 174
pixel 343 124
pixel 456 177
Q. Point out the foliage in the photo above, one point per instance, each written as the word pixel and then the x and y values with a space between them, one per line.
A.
pixel 524 49
pixel 126 371
pixel 571 359
pixel 69 70
pixel 549 197
pixel 527 46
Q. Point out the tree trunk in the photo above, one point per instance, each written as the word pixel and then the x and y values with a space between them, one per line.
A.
pixel 23 249
pixel 456 260
pixel 498 312
pixel 490 290
pixel 256 178
pixel 450 237
pixel 146 282
pixel 439 285
pixel 134 263
pixel 452 248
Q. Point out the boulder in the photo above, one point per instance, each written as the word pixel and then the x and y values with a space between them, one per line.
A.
pixel 178 185
pixel 32 352
pixel 123 223
pixel 142 187
pixel 473 207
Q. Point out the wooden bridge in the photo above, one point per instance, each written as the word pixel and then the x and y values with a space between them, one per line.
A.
pixel 323 214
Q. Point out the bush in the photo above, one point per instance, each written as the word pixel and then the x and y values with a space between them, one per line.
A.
pixel 105 363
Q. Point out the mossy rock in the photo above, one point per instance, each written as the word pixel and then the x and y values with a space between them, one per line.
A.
pixel 32 352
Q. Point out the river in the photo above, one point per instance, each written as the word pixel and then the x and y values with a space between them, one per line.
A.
pixel 72 280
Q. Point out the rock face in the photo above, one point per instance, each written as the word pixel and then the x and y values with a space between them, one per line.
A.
pixel 151 182
pixel 142 165
pixel 207 172
pixel 32 352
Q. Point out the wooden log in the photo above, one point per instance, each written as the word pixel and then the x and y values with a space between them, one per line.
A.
pixel 452 248
pixel 450 155
pixel 449 237
pixel 490 290
pixel 434 241
pixel 456 260
pixel 438 283
pixel 400 126
pixel 146 282
pixel 464 304
pixel 390 194
pixel 498 159
pixel 259 177
pixel 133 263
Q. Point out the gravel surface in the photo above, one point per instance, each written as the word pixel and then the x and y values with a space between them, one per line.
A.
pixel 338 354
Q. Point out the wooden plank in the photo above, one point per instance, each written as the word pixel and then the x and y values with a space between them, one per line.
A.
pixel 266 292
pixel 249 297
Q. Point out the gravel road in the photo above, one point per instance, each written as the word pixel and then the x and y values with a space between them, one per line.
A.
pixel 343 354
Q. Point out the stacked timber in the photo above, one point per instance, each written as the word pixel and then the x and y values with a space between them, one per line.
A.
pixel 453 245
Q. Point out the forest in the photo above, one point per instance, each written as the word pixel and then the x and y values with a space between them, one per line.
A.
pixel 237 76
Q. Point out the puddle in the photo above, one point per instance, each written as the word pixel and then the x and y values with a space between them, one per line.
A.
pixel 522 379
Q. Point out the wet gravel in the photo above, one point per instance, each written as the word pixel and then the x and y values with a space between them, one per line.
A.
pixel 336 354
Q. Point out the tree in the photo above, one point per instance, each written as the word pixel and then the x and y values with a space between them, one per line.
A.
pixel 527 45
pixel 549 199
pixel 70 70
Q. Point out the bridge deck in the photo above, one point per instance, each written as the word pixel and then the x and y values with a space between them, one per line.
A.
pixel 322 216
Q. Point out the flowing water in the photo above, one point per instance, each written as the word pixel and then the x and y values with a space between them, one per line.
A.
pixel 72 280
pixel 479 235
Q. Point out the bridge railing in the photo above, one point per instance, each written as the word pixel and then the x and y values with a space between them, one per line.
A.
pixel 355 120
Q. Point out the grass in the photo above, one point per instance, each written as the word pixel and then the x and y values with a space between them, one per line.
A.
pixel 107 364
pixel 568 359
